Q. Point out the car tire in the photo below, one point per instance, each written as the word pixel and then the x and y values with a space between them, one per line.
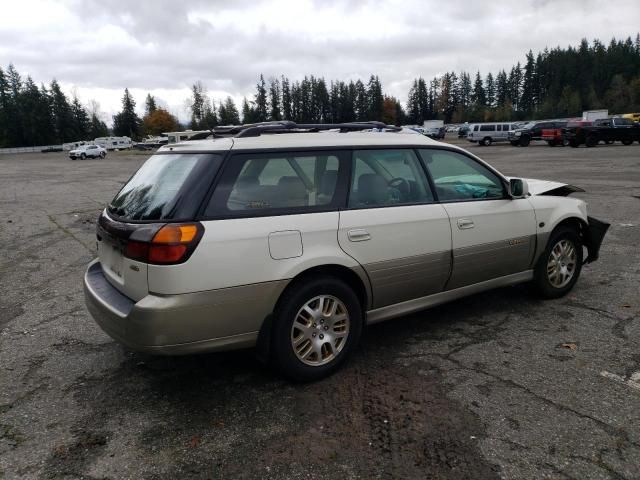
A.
pixel 560 264
pixel 627 142
pixel 551 143
pixel 83 156
pixel 303 346
pixel 591 141
pixel 525 141
pixel 565 142
pixel 486 142
pixel 513 143
pixel 574 143
pixel 103 154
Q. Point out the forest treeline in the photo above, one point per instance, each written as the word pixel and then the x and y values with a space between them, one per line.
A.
pixel 558 82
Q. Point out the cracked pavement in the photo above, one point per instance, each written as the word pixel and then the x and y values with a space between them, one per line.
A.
pixel 498 385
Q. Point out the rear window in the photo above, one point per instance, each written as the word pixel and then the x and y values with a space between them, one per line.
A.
pixel 166 187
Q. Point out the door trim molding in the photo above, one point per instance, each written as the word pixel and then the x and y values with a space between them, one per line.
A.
pixel 411 306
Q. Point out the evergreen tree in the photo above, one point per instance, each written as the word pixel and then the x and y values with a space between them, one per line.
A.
pixel 490 90
pixel 197 105
pixel 361 103
pixel 274 99
pixel 479 96
pixel 209 115
pixel 261 114
pixel 228 112
pixel 81 122
pixel 286 99
pixel 375 98
pixel 248 114
pixel 528 98
pixel 127 123
pixel 149 105
pixel 62 114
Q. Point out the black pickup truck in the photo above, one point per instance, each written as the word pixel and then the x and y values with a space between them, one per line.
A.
pixel 607 130
pixel 532 131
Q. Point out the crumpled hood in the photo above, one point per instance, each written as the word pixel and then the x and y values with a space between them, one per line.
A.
pixel 548 187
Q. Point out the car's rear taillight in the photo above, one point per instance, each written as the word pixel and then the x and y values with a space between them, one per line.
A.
pixel 172 244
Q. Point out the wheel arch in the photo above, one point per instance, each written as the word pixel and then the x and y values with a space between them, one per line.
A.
pixel 355 277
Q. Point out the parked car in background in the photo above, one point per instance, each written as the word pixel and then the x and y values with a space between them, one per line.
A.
pixel 463 131
pixel 87 151
pixel 294 242
pixel 606 130
pixel 488 133
pixel 533 131
pixel 554 137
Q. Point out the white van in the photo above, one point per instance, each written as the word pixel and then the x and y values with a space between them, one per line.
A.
pixel 488 133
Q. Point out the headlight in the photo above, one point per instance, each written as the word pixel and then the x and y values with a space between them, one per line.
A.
pixel 517 134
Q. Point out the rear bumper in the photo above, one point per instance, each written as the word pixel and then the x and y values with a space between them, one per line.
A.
pixel 593 237
pixel 217 320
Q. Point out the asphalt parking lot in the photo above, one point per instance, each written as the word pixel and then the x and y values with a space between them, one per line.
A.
pixel 499 385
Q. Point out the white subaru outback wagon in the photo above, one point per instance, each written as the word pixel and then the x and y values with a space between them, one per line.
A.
pixel 293 237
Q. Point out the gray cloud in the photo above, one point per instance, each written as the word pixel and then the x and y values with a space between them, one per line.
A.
pixel 100 45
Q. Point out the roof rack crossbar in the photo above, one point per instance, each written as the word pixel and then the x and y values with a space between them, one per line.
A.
pixel 286 126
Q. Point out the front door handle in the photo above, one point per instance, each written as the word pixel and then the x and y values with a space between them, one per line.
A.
pixel 464 223
pixel 358 235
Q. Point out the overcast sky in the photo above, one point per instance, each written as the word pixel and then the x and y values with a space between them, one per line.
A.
pixel 99 47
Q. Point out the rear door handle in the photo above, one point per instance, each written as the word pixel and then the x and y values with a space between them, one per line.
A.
pixel 358 235
pixel 464 223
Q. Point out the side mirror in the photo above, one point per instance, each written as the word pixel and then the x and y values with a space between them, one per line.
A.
pixel 518 188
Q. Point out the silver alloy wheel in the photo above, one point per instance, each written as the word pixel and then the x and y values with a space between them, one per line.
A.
pixel 320 330
pixel 561 266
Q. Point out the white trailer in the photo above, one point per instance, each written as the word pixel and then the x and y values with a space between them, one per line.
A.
pixel 593 115
pixel 113 143
pixel 73 145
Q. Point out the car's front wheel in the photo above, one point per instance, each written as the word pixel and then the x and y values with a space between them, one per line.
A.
pixel 83 156
pixel 317 325
pixel 559 266
pixel 103 154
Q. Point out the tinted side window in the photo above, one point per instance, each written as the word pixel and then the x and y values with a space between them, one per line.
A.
pixel 387 177
pixel 264 183
pixel 458 177
pixel 506 128
pixel 487 128
pixel 475 128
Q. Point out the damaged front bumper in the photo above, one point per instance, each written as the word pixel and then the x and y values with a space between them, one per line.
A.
pixel 594 234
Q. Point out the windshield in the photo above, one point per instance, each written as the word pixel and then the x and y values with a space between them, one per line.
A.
pixel 156 189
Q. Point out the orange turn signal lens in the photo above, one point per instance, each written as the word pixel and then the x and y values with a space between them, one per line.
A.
pixel 176 234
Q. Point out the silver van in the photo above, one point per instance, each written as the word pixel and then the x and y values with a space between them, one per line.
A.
pixel 488 133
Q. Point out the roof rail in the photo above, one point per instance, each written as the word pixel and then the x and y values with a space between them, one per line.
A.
pixel 286 126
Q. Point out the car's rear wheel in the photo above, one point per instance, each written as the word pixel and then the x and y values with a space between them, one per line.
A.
pixel 627 142
pixel 486 142
pixel 525 141
pixel 559 266
pixel 591 141
pixel 317 324
pixel 83 156
pixel 102 154
pixel 574 143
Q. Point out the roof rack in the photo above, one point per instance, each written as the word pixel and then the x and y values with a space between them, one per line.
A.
pixel 285 126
